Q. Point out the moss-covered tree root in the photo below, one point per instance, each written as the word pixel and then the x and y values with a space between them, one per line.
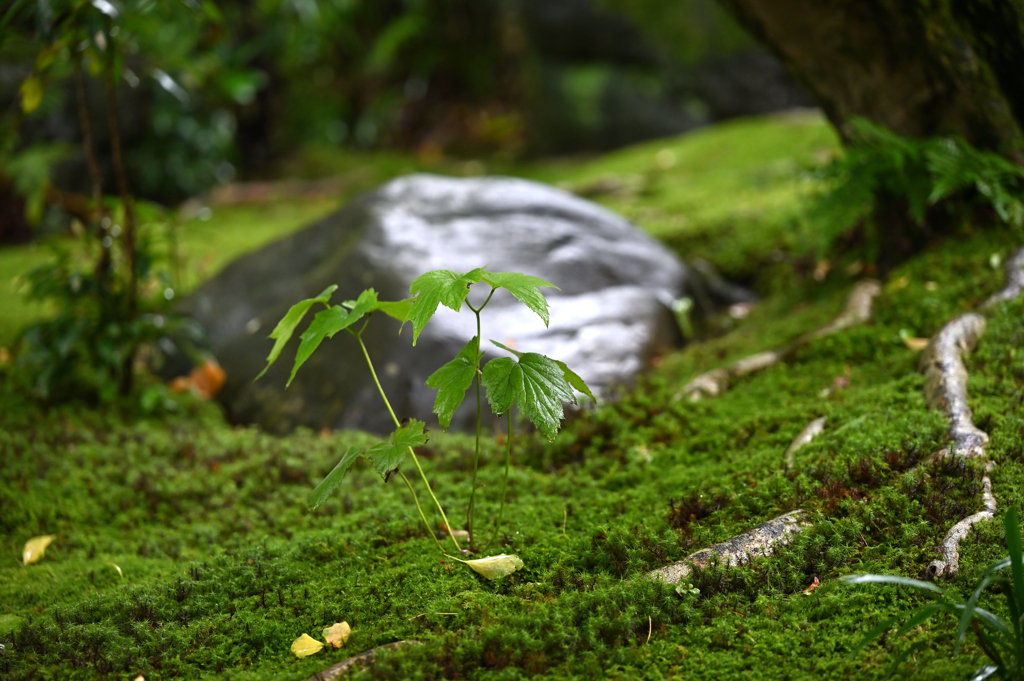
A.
pixel 741 549
pixel 356 662
pixel 810 431
pixel 715 382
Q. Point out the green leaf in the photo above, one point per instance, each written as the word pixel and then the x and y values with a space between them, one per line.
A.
pixel 282 333
pixel 452 381
pixel 440 287
pixel 1013 543
pixel 398 309
pixel 329 322
pixel 502 383
pixel 574 380
pixel 535 383
pixel 388 456
pixel 319 494
pixel 524 288
pixel 894 579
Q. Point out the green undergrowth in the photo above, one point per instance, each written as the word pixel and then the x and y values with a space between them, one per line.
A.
pixel 223 565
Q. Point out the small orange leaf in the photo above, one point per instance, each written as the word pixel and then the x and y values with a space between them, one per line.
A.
pixel 814 585
pixel 206 380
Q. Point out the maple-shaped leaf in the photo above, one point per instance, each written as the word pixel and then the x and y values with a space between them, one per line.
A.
pixel 282 333
pixel 320 493
pixel 388 456
pixel 329 322
pixel 439 287
pixel 574 380
pixel 534 382
pixel 452 381
pixel 524 288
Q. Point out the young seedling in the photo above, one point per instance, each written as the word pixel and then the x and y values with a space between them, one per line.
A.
pixel 536 384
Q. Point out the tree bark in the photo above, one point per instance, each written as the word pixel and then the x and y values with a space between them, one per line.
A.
pixel 919 67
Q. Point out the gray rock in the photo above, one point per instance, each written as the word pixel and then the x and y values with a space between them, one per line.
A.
pixel 610 318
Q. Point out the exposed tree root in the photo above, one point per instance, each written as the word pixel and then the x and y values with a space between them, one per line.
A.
pixel 945 381
pixel 364 659
pixel 1014 281
pixel 810 431
pixel 946 389
pixel 714 383
pixel 742 548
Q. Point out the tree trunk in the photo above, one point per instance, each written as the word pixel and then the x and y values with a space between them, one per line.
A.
pixel 919 67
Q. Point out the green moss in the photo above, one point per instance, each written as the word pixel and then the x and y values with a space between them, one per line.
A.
pixel 223 565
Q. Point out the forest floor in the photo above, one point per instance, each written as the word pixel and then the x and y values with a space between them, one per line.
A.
pixel 185 548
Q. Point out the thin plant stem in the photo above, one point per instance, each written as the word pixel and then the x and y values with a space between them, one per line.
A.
pixel 479 412
pixel 126 205
pixel 415 460
pixel 504 486
pixel 96 180
pixel 416 500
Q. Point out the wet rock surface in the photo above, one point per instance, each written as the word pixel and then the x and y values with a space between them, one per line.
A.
pixel 608 321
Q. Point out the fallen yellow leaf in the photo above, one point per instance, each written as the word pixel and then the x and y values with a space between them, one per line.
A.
pixel 35 548
pixel 494 567
pixel 306 645
pixel 337 634
pixel 916 344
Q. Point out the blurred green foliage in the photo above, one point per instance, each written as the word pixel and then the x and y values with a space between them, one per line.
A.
pixel 689 30
pixel 209 87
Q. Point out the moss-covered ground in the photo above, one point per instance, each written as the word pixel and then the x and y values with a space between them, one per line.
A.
pixel 221 565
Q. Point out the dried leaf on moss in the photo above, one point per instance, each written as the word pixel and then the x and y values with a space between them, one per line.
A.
pixel 306 645
pixel 337 634
pixel 35 548
pixel 494 567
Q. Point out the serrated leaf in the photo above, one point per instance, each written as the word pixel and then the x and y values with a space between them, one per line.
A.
pixel 501 386
pixel 439 287
pixel 329 322
pixel 337 634
pixel 536 384
pixel 452 381
pixel 282 333
pixel 574 380
pixel 494 567
pixel 398 309
pixel 35 548
pixel 524 288
pixel 306 645
pixel 320 493
pixel 388 456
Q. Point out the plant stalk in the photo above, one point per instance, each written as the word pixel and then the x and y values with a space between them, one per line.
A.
pixel 504 486
pixel 415 460
pixel 479 411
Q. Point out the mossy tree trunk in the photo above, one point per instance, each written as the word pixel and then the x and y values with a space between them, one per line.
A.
pixel 919 67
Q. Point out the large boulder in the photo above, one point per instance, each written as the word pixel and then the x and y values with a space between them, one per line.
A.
pixel 610 318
